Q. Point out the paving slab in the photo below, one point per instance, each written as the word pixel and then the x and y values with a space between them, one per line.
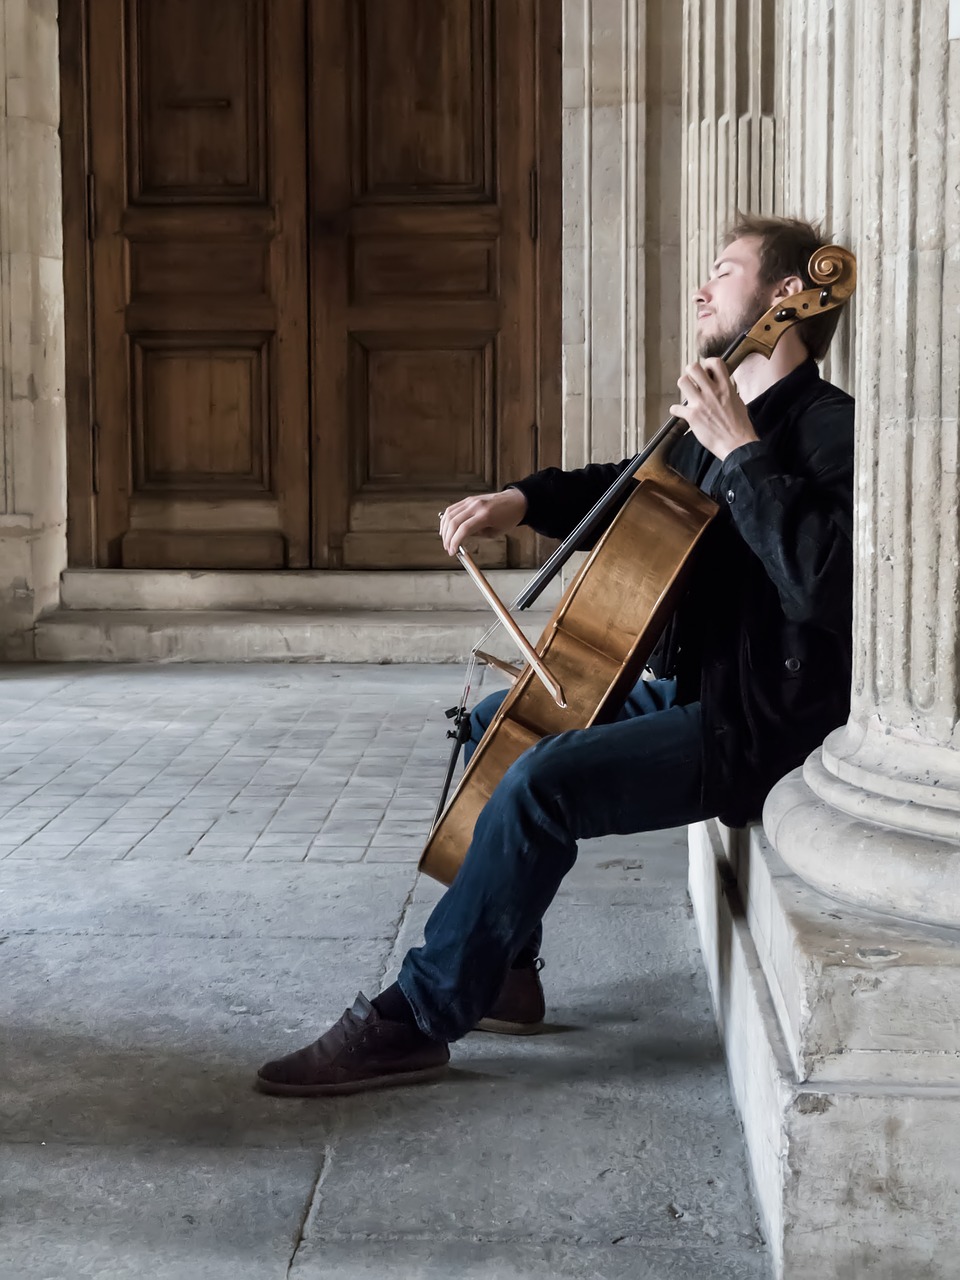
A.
pixel 157 1213
pixel 630 1259
pixel 143 989
pixel 501 1150
pixel 315 900
pixel 116 1040
pixel 632 962
pixel 630 1065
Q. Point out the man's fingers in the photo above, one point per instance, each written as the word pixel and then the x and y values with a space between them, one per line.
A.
pixel 459 527
pixel 450 533
pixel 706 380
pixel 719 375
pixel 483 516
pixel 460 533
pixel 709 369
pixel 452 522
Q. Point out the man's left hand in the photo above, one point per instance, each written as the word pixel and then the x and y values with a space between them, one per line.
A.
pixel 715 412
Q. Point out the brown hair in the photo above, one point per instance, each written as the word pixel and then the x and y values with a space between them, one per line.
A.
pixel 786 247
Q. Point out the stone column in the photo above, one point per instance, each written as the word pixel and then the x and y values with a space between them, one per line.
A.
pixel 874 817
pixel 768 128
pixel 730 156
pixel 818 137
pixel 32 414
pixel 832 934
pixel 621 225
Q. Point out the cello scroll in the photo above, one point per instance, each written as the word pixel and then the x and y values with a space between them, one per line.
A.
pixel 833 271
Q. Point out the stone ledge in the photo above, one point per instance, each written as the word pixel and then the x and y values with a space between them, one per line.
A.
pixel 851 1178
pixel 268 636
pixel 291 589
pixel 861 997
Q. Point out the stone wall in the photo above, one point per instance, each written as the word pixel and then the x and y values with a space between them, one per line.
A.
pixel 32 415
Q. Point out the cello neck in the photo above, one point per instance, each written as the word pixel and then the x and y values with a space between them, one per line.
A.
pixel 651 459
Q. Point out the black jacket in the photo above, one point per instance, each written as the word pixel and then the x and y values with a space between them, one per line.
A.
pixel 762 636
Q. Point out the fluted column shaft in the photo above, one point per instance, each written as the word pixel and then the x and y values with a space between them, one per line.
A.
pixel 876 815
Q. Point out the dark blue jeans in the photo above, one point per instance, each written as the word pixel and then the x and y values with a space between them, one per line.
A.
pixel 640 773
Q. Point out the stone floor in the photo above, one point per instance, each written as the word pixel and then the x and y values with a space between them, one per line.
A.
pixel 200 867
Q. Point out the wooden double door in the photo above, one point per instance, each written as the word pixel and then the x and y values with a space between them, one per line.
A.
pixel 323 277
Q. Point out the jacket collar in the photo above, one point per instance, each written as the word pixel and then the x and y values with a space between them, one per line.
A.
pixel 774 405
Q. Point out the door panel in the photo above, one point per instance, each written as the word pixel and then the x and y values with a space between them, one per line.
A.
pixel 255 407
pixel 423 270
pixel 199 270
pixel 422 83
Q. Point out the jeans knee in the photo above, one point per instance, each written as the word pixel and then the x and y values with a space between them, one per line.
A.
pixel 483 713
pixel 530 783
pixel 524 830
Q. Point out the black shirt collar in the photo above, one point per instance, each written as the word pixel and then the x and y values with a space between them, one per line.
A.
pixel 774 404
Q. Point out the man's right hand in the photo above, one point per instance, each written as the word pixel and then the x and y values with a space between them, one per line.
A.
pixel 481 517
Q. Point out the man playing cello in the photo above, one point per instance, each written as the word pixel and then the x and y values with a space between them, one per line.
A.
pixel 753 672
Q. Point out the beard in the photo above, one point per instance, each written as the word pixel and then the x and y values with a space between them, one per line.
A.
pixel 750 313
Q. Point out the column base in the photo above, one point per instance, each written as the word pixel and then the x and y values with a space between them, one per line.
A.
pixel 887 852
pixel 841 1033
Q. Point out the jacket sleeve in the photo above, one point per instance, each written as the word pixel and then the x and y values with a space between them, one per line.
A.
pixel 797 517
pixel 558 500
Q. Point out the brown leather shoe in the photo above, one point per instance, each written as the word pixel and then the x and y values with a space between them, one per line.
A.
pixel 361 1051
pixel 519 1008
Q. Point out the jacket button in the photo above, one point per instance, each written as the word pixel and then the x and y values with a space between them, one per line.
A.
pixel 730 495
pixel 792 664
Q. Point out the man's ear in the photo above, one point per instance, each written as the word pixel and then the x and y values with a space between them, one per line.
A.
pixel 792 284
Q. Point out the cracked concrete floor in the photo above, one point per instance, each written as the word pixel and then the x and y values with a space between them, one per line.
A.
pixel 200 867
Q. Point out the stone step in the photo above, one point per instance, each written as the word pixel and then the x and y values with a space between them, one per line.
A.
pixel 307 590
pixel 271 635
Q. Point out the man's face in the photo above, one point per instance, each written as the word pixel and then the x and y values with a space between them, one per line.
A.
pixel 733 299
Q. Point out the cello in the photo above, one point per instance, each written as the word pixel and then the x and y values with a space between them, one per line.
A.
pixel 608 621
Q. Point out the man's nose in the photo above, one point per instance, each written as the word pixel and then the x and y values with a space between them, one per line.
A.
pixel 700 293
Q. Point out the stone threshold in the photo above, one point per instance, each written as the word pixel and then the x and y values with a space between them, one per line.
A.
pixel 128 589
pixel 213 616
pixel 251 635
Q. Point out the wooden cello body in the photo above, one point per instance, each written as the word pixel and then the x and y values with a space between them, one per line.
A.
pixel 611 616
pixel 595 644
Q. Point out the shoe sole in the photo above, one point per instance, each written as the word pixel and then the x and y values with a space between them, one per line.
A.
pixel 278 1090
pixel 509 1028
